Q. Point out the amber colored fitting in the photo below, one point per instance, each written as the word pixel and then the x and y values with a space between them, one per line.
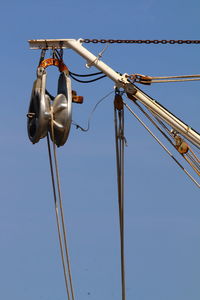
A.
pixel 118 102
pixel 54 62
pixel 76 99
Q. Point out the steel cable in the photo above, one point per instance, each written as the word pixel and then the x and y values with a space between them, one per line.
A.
pixel 161 144
pixel 62 234
pixel 194 161
pixel 120 140
pixel 57 217
pixel 91 114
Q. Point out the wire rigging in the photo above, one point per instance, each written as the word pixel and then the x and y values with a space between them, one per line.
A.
pixel 161 144
pixel 188 154
pixel 61 208
pixel 148 80
pixel 58 219
pixel 191 158
pixel 120 142
pixel 60 212
pixel 172 137
pixel 91 114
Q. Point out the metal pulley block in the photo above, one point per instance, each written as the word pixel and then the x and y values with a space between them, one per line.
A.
pixel 39 110
pixel 43 113
pixel 181 145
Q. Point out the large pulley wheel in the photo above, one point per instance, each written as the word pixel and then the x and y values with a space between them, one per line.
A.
pixel 62 111
pixel 39 110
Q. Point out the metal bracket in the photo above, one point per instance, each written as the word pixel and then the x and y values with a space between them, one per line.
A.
pixel 49 44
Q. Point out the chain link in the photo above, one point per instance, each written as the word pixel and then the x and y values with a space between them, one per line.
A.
pixel 110 41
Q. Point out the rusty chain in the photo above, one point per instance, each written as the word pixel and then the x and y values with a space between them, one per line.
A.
pixel 111 41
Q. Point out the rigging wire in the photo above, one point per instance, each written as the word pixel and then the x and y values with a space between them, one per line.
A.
pixel 191 158
pixel 120 142
pixel 144 79
pixel 175 78
pixel 57 218
pixel 59 208
pixel 154 123
pixel 161 144
pixel 91 114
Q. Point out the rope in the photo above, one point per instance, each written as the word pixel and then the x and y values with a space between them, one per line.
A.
pixel 192 158
pixel 120 140
pixel 86 81
pixel 192 164
pixel 86 75
pixel 182 76
pixel 154 123
pixel 144 79
pixel 61 209
pixel 175 80
pixel 62 235
pixel 57 218
pixel 161 144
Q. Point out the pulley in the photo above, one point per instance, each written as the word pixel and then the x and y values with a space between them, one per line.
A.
pixel 43 115
pixel 181 145
pixel 39 109
pixel 62 111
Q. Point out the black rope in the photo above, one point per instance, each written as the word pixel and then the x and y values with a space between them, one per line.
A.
pixel 50 96
pixel 86 75
pixel 59 54
pixel 86 81
pixel 42 55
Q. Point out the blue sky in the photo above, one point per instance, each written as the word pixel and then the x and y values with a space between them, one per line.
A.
pixel 162 234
